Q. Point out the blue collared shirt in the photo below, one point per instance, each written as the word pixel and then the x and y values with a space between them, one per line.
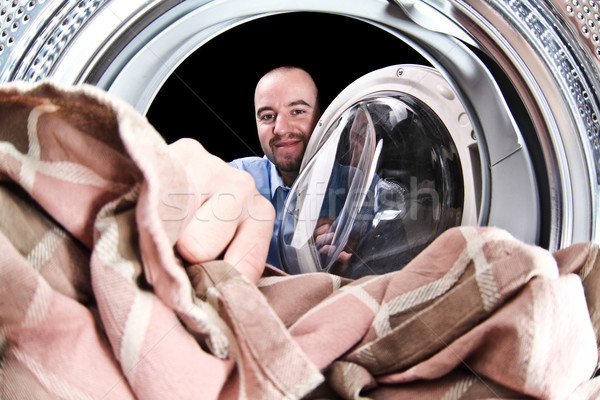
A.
pixel 270 185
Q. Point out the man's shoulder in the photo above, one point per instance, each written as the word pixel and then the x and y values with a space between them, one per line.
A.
pixel 252 161
pixel 258 167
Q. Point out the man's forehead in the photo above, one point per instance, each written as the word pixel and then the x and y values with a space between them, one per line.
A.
pixel 284 98
pixel 285 89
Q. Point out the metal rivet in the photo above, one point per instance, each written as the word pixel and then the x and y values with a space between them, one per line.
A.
pixel 399 72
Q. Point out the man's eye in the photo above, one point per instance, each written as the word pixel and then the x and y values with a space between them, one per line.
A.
pixel 298 112
pixel 267 117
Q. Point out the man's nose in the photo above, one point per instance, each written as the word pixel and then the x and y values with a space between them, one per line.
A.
pixel 282 125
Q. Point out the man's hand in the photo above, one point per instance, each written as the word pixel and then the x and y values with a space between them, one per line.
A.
pixel 231 217
pixel 323 236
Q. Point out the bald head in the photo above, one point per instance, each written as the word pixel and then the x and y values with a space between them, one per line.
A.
pixel 292 76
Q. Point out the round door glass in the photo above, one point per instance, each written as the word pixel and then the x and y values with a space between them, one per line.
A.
pixel 385 183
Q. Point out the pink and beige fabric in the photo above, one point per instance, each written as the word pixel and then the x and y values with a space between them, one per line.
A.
pixel 96 304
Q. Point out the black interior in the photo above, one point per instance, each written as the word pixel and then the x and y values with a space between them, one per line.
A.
pixel 210 95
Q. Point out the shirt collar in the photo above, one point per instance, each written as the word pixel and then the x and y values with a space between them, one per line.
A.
pixel 275 178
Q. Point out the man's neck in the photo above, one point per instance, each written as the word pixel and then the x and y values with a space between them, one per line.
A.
pixel 288 178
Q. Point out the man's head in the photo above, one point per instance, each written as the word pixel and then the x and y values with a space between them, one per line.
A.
pixel 287 109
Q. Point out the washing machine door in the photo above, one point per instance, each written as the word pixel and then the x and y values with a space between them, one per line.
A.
pixel 391 165
pixel 527 74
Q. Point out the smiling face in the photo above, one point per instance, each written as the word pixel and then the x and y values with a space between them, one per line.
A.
pixel 285 102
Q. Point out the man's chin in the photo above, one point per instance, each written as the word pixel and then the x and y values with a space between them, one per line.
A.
pixel 288 166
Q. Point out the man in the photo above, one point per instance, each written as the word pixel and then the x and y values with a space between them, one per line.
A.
pixel 287 109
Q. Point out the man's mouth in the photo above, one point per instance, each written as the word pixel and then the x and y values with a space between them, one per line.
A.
pixel 286 143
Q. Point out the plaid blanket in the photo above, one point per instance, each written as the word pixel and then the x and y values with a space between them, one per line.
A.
pixel 96 304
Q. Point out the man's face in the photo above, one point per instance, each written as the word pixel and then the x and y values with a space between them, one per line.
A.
pixel 285 102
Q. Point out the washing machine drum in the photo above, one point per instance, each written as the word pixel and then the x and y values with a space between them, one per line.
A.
pixel 384 178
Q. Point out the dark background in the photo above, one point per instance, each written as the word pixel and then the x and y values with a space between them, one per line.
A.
pixel 210 95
